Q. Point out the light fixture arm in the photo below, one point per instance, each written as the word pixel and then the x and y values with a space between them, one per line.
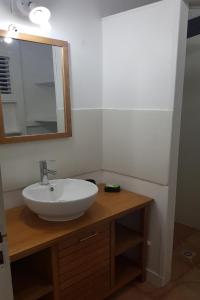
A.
pixel 24 6
pixel 11 6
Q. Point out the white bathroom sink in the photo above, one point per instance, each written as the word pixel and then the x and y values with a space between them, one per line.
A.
pixel 61 200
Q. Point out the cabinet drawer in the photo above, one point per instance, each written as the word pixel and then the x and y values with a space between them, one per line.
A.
pixel 84 238
pixel 83 263
pixel 92 288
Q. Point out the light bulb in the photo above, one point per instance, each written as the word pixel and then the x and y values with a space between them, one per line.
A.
pixel 8 40
pixel 40 15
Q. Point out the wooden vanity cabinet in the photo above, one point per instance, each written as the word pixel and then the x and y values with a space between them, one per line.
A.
pixel 85 259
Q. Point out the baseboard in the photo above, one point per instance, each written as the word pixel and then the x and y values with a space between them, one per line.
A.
pixel 154 278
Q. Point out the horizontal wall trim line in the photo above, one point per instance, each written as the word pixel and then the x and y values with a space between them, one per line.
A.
pixel 137 178
pixel 123 109
pixel 86 108
pixel 138 109
pixel 88 173
pixel 72 176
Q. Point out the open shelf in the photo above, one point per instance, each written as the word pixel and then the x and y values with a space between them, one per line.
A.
pixel 126 239
pixel 31 277
pixel 126 270
pixel 30 287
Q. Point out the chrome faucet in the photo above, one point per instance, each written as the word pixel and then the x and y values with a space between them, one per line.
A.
pixel 44 171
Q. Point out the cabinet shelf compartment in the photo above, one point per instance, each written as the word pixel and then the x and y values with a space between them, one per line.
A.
pixel 30 277
pixel 126 271
pixel 126 239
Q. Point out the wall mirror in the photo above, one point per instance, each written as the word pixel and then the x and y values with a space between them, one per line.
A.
pixel 34 88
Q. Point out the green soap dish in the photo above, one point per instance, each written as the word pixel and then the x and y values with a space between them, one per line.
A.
pixel 112 188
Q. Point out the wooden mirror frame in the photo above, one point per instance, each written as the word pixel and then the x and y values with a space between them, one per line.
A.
pixel 66 91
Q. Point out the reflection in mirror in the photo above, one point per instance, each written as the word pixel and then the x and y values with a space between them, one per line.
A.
pixel 31 86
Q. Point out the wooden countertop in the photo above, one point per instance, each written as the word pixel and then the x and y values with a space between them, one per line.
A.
pixel 28 234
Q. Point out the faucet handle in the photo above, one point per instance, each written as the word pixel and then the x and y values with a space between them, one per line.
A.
pixel 51 171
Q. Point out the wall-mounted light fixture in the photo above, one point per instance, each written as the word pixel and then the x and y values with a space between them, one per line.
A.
pixel 39 15
pixel 8 40
pixel 12 29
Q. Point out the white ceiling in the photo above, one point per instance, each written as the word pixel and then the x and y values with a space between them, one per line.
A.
pixel 114 6
pixel 109 7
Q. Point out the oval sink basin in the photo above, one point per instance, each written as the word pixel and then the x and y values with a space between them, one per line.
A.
pixel 61 200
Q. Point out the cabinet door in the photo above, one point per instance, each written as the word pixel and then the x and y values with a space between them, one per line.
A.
pixel 84 264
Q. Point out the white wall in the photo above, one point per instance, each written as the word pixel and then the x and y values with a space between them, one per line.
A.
pixel 80 24
pixel 148 34
pixel 138 85
pixel 137 143
pixel 188 190
pixel 77 155
pixel 168 229
pixel 140 51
